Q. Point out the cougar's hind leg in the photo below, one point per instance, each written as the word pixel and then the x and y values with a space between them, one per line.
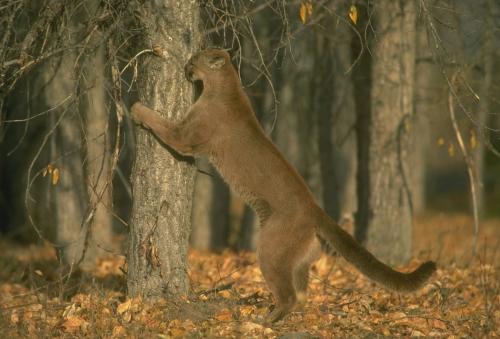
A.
pixel 300 282
pixel 276 259
pixel 281 251
pixel 301 273
pixel 279 279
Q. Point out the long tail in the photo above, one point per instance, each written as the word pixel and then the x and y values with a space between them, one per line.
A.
pixel 367 264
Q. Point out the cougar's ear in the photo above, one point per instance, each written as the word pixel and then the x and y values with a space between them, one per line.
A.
pixel 216 61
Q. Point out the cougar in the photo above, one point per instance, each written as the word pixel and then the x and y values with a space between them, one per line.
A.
pixel 222 126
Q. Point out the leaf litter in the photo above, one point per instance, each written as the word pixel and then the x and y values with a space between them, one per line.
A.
pixel 229 298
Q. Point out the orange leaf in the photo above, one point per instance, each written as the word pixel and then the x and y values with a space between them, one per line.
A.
pixel 353 14
pixel 305 10
pixel 55 176
pixel 303 13
pixel 74 323
pixel 224 315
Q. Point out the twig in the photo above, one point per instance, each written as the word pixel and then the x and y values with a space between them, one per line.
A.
pixel 470 167
pixel 216 289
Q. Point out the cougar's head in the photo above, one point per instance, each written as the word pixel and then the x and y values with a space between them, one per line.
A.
pixel 207 63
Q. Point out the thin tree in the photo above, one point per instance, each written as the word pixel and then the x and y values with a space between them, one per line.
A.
pixel 387 221
pixel 162 182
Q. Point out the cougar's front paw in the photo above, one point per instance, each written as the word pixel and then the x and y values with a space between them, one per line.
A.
pixel 135 112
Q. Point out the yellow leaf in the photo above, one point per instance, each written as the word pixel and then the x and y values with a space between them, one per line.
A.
pixel 309 7
pixel 416 333
pixel 353 14
pixel 225 294
pixel 177 332
pixel 451 150
pixel 124 307
pixel 386 331
pixel 248 326
pixel 47 170
pixel 119 331
pixel 55 176
pixel 440 141
pixel 70 311
pixel 305 11
pixel 473 140
pixel 247 310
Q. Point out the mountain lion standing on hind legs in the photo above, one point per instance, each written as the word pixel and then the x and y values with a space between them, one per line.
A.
pixel 222 126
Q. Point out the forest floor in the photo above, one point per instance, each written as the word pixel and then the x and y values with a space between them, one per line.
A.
pixel 229 298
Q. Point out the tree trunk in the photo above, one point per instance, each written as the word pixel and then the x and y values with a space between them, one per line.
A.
pixel 210 216
pixel 361 79
pixel 484 109
pixel 69 198
pixel 296 131
pixel 387 232
pixel 81 130
pixel 162 182
pixel 97 169
pixel 425 77
pixel 333 106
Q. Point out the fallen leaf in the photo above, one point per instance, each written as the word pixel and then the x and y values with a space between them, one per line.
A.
pixel 248 326
pixel 224 315
pixel 70 311
pixel 119 331
pixel 74 323
pixel 436 323
pixel 247 310
pixel 177 332
pixel 14 317
pixel 124 307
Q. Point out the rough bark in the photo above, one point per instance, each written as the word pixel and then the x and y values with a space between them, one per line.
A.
pixel 162 182
pixel 387 232
pixel 361 79
pixel 425 77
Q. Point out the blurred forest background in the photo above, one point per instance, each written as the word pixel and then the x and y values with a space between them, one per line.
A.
pixel 374 102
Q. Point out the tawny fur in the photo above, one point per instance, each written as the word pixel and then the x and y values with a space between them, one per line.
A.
pixel 222 126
